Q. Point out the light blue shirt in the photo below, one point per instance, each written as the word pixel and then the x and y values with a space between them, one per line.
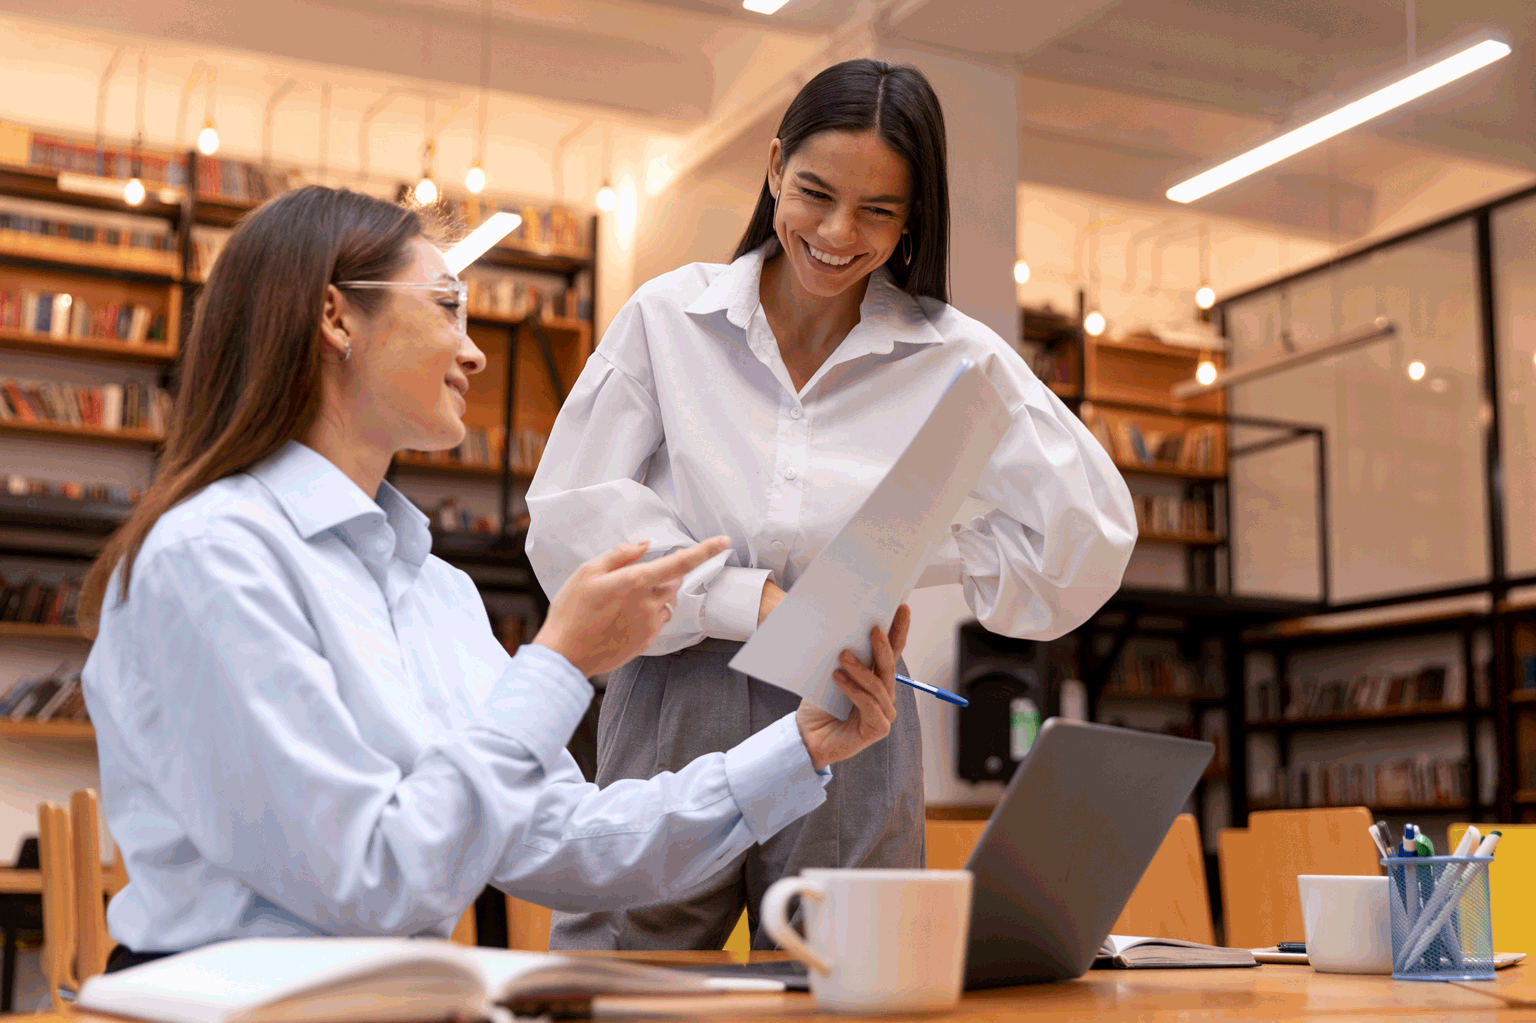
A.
pixel 306 727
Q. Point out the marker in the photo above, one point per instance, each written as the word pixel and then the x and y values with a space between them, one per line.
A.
pixel 943 694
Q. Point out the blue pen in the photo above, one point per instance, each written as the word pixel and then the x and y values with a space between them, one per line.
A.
pixel 943 694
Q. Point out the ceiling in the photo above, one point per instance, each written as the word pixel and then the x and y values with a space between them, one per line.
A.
pixel 1124 97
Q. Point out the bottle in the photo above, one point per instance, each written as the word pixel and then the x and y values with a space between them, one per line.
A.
pixel 1023 726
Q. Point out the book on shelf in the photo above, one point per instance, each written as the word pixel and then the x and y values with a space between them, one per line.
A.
pixel 1173 516
pixel 1420 780
pixel 238 181
pixel 59 153
pixel 1129 952
pixel 482 448
pixel 125 406
pixel 25 486
pixel 1157 675
pixel 35 599
pixel 66 316
pixel 1371 692
pixel 20 217
pixel 549 227
pixel 55 696
pixel 1193 449
pixel 375 980
pixel 517 294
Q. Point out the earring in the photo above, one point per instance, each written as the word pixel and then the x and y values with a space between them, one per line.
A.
pixel 347 352
pixel 906 257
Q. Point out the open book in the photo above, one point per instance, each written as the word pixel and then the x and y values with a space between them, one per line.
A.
pixel 367 980
pixel 1158 953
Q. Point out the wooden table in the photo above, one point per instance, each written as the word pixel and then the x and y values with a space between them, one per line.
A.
pixel 1133 996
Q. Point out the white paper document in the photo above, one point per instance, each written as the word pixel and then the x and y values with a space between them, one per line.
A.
pixel 869 567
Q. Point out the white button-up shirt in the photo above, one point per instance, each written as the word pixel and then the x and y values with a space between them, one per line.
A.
pixel 306 727
pixel 685 424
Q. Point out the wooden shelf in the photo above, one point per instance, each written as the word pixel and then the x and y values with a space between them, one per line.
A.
pixel 43 183
pixel 29 630
pixel 157 352
pixel 24 729
pixel 1154 350
pixel 1166 470
pixel 1184 539
pixel 144 438
pixel 1063 390
pixel 1523 696
pixel 552 324
pixel 1525 796
pixel 1439 713
pixel 1380 809
pixel 1123 697
pixel 416 463
pixel 85 254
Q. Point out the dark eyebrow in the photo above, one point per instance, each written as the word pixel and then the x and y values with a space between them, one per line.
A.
pixel 813 179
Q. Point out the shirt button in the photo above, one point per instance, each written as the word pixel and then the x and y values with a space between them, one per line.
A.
pixel 789 474
pixel 778 545
pixel 795 413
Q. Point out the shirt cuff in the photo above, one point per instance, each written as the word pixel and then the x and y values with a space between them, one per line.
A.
pixel 771 777
pixel 732 603
pixel 539 700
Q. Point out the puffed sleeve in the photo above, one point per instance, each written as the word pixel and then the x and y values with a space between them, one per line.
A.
pixel 589 496
pixel 1055 545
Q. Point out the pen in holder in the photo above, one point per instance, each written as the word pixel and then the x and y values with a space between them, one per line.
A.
pixel 1442 926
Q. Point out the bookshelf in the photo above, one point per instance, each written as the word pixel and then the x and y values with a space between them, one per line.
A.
pixel 131 273
pixel 1174 462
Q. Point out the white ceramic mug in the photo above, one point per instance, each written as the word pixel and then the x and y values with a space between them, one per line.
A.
pixel 877 940
pixel 1348 922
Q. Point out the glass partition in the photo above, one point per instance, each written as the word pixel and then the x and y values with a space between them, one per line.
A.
pixel 1514 280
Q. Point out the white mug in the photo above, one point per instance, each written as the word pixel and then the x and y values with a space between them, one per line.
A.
pixel 1348 922
pixel 877 940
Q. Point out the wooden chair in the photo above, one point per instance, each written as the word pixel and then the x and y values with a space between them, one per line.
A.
pixel 1171 900
pixel 1511 883
pixel 527 926
pixel 74 917
pixel 1259 865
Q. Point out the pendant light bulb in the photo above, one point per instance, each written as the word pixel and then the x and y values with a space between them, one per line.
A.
pixel 1205 373
pixel 133 192
pixel 474 179
pixel 1416 370
pixel 607 198
pixel 1093 323
pixel 1021 272
pixel 1205 297
pixel 208 139
pixel 426 191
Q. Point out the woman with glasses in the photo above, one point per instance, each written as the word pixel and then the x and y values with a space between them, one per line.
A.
pixel 764 400
pixel 305 724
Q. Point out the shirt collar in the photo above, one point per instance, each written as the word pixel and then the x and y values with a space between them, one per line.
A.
pixel 886 312
pixel 316 496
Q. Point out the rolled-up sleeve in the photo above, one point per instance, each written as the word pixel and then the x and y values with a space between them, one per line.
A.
pixel 1055 546
pixel 256 753
pixel 588 496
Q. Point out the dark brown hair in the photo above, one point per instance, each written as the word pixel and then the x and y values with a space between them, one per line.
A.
pixel 897 103
pixel 249 378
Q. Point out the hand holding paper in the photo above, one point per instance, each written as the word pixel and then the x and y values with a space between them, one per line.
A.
pixel 871 687
pixel 869 567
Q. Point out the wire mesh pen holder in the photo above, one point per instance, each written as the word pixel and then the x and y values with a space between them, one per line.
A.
pixel 1442 924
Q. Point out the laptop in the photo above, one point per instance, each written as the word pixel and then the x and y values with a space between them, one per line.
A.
pixel 1080 821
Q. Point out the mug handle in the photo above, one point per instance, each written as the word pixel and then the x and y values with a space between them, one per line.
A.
pixel 776 918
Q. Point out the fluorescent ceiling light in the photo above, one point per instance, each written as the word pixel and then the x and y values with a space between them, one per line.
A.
pixel 1382 328
pixel 474 244
pixel 1346 117
pixel 763 6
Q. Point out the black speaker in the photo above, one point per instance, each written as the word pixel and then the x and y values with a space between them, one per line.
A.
pixel 993 672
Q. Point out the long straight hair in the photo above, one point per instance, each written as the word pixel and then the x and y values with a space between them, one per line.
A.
pixel 897 103
pixel 249 379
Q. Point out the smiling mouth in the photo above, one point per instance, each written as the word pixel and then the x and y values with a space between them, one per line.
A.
pixel 826 261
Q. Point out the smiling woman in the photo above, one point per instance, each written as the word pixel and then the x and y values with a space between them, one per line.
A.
pixel 765 400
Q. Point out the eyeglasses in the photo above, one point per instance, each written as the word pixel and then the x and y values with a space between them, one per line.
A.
pixel 458 289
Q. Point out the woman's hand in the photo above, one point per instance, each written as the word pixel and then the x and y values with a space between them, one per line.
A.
pixel 873 692
pixel 612 608
pixel 770 599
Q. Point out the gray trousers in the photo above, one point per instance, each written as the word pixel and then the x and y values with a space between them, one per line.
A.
pixel 660 713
